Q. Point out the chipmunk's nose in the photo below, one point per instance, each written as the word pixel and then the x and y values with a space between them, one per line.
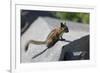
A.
pixel 67 31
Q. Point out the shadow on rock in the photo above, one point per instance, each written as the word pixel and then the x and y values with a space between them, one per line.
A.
pixel 76 50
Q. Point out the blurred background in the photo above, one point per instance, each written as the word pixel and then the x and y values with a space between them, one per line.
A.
pixel 73 16
pixel 29 16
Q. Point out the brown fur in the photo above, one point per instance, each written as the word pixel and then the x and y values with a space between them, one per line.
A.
pixel 53 37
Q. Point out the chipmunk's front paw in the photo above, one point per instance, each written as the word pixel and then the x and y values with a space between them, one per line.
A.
pixel 62 39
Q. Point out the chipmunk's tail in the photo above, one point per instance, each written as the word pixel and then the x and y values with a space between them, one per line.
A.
pixel 34 42
pixel 39 53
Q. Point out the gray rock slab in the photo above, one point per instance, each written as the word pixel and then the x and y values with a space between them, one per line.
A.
pixel 39 30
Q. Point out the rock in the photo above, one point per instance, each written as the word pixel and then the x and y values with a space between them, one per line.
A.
pixel 39 30
pixel 80 47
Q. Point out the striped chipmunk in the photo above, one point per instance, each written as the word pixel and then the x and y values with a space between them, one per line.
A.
pixel 54 36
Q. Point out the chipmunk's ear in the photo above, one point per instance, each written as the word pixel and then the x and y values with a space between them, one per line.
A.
pixel 62 25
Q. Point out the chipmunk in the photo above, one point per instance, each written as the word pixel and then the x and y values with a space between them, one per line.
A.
pixel 53 37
